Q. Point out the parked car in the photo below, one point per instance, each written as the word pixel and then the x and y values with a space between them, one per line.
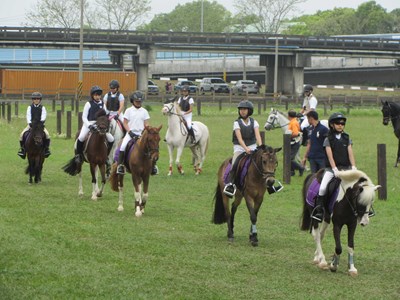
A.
pixel 192 86
pixel 152 88
pixel 214 85
pixel 245 86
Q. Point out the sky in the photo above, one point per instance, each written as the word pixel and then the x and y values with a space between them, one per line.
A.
pixel 12 12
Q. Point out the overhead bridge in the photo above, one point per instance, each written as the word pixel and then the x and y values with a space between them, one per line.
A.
pixel 294 52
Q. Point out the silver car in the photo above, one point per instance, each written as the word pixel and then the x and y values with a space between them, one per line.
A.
pixel 214 85
pixel 245 86
pixel 152 88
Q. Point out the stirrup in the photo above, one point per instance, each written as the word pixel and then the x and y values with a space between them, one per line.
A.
pixel 228 192
pixel 121 169
pixel 78 159
pixel 277 188
pixel 21 153
pixel 314 215
pixel 47 153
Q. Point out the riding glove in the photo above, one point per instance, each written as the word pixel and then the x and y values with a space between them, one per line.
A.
pixel 132 134
pixel 93 127
pixel 335 172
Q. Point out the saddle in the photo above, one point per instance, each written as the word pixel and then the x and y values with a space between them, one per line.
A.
pixel 128 151
pixel 26 135
pixel 239 169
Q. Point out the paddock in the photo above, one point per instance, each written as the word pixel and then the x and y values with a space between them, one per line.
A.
pixel 54 243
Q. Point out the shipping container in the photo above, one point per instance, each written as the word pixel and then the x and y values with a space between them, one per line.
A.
pixel 59 83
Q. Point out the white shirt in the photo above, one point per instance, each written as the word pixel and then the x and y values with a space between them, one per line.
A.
pixel 310 102
pixel 136 118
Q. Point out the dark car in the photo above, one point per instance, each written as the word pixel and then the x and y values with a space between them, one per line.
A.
pixel 152 88
pixel 192 86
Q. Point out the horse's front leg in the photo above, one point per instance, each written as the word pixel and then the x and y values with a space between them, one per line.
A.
pixel 171 158
pixel 318 232
pixel 80 186
pixel 145 194
pixel 102 169
pixel 120 192
pixel 350 248
pixel 179 151
pixel 253 205
pixel 95 187
pixel 138 196
pixel 337 229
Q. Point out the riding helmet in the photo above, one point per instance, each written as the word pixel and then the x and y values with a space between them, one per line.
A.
pixel 36 95
pixel 114 84
pixel 336 116
pixel 95 89
pixel 246 104
pixel 185 88
pixel 308 88
pixel 136 96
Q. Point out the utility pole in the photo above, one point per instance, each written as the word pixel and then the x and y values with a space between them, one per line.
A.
pixel 80 80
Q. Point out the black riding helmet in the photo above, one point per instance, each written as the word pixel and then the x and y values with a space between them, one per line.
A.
pixel 246 104
pixel 114 84
pixel 336 117
pixel 308 88
pixel 136 96
pixel 95 90
pixel 185 88
pixel 36 95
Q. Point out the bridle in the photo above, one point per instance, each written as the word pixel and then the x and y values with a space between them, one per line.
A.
pixel 264 175
pixel 274 124
pixel 149 150
pixel 353 203
pixel 170 111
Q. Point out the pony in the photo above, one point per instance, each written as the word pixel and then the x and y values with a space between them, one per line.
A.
pixel 95 153
pixel 117 131
pixel 255 174
pixel 177 137
pixel 34 145
pixel 351 198
pixel 391 112
pixel 139 162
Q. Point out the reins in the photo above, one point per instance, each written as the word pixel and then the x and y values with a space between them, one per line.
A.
pixel 261 172
pixel 181 119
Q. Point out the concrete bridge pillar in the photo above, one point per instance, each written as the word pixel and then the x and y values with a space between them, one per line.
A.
pixel 145 57
pixel 290 72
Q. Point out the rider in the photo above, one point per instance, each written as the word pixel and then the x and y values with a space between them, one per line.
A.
pixel 135 119
pixel 35 112
pixel 114 101
pixel 339 152
pixel 89 119
pixel 245 137
pixel 186 104
pixel 309 104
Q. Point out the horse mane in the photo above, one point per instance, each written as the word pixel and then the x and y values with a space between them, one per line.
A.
pixel 100 113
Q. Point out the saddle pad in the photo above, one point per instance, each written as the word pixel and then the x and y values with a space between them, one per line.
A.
pixel 312 194
pixel 129 147
pixel 242 173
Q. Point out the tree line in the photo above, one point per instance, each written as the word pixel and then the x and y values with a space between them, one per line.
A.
pixel 264 16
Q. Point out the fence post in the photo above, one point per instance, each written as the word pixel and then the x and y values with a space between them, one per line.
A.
pixel 8 112
pixel 53 105
pixel 199 107
pixel 16 106
pixel 286 158
pixel 220 104
pixel 259 107
pixel 3 110
pixel 59 114
pixel 262 134
pixel 62 106
pixel 69 124
pixel 382 192
pixel 80 120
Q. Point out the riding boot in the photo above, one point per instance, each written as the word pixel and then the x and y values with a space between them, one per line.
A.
pixel 230 188
pixel 22 152
pixel 304 140
pixel 109 147
pixel 191 134
pixel 79 152
pixel 121 167
pixel 318 213
pixel 47 152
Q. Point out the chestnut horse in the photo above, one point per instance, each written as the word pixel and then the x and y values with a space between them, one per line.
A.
pixel 255 173
pixel 139 163
pixel 350 204
pixel 35 151
pixel 95 153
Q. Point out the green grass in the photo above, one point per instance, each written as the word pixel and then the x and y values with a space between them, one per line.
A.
pixel 55 245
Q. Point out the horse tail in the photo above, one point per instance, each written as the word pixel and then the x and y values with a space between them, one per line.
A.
pixel 306 216
pixel 219 209
pixel 114 178
pixel 71 168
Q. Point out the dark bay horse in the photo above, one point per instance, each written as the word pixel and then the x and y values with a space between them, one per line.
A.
pixel 391 112
pixel 95 153
pixel 350 204
pixel 260 166
pixel 139 163
pixel 34 145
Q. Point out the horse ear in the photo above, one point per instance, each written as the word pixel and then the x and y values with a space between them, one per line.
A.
pixel 277 149
pixel 376 187
pixel 159 127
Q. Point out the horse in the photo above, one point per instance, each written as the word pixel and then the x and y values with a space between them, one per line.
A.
pixel 351 200
pixel 34 145
pixel 177 137
pixel 117 132
pixel 391 112
pixel 139 163
pixel 95 153
pixel 256 173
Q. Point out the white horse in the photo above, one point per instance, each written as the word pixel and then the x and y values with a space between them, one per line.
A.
pixel 177 137
pixel 118 133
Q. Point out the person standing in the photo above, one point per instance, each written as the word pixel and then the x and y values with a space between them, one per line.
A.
pixel 88 122
pixel 294 129
pixel 35 112
pixel 186 103
pixel 339 153
pixel 114 101
pixel 315 151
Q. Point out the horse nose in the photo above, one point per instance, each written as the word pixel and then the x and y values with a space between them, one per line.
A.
pixel 364 220
pixel 270 181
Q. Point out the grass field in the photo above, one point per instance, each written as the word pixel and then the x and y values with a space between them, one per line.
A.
pixel 55 245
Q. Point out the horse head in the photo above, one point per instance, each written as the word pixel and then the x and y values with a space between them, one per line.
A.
pixel 276 120
pixel 38 133
pixel 102 122
pixel 386 112
pixel 266 163
pixel 168 109
pixel 151 137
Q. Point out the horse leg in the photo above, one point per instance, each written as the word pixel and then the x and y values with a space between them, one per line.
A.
pixel 350 248
pixel 138 200
pixel 171 158
pixel 178 159
pixel 102 169
pixel 398 155
pixel 318 233
pixel 231 216
pixel 95 188
pixel 253 210
pixel 120 192
pixel 338 247
pixel 80 187
pixel 145 194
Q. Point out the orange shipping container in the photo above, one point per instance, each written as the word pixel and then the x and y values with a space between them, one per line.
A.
pixel 62 82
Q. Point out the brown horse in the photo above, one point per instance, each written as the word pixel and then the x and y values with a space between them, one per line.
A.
pixel 260 176
pixel 95 153
pixel 139 163
pixel 34 146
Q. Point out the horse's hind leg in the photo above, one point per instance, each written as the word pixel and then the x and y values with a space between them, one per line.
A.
pixel 120 192
pixel 319 257
pixel 80 187
pixel 398 155
pixel 178 159
pixel 171 159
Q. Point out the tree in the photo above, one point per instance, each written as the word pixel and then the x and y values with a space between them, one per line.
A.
pixel 372 18
pixel 268 14
pixel 102 14
pixel 186 17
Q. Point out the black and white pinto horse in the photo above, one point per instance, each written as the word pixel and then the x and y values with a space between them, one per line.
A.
pixel 391 112
pixel 351 204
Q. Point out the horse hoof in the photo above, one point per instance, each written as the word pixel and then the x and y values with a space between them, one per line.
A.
pixel 333 269
pixel 323 266
pixel 353 274
pixel 120 208
pixel 138 214
pixel 230 240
